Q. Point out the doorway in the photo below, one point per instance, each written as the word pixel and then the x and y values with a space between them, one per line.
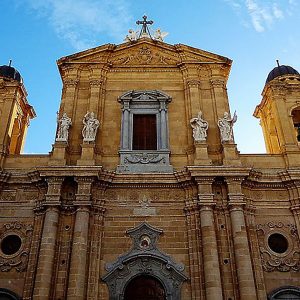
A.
pixel 144 288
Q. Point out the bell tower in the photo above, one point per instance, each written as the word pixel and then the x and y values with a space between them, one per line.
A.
pixel 15 112
pixel 279 113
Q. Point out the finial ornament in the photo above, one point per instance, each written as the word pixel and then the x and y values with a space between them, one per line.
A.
pixel 226 127
pixel 200 127
pixel 90 127
pixel 64 124
pixel 133 35
pixel 277 61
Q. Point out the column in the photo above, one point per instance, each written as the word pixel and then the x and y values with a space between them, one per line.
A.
pixel 212 276
pixel 78 265
pixel 163 125
pixel 42 288
pixel 125 126
pixel 245 275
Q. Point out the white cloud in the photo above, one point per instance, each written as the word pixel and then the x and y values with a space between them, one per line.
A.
pixel 262 13
pixel 81 21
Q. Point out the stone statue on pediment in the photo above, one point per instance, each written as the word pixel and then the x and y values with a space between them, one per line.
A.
pixel 200 127
pixel 131 36
pixel 90 127
pixel 159 35
pixel 225 125
pixel 64 124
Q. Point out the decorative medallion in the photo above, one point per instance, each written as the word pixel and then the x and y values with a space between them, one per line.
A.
pixel 15 241
pixel 279 247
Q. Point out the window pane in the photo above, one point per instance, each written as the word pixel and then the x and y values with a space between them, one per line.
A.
pixel 144 132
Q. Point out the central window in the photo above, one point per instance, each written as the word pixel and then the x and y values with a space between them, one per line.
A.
pixel 144 132
pixel 144 135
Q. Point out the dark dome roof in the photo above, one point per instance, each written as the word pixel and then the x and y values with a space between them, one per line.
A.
pixel 10 72
pixel 281 70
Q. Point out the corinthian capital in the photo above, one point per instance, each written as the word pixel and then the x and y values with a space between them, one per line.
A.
pixel 71 82
pixel 218 83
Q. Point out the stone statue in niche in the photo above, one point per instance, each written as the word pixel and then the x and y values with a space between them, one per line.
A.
pixel 200 127
pixel 64 124
pixel 226 127
pixel 90 127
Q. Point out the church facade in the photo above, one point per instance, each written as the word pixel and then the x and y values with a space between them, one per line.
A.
pixel 144 194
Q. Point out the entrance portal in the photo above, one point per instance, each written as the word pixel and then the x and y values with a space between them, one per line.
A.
pixel 144 288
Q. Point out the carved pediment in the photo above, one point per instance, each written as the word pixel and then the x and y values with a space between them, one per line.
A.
pixel 144 52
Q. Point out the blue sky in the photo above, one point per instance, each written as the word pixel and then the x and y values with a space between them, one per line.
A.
pixel 253 33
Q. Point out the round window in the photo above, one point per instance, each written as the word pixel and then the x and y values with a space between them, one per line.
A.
pixel 11 244
pixel 278 243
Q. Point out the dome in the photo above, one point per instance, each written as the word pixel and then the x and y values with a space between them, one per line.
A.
pixel 10 72
pixel 281 70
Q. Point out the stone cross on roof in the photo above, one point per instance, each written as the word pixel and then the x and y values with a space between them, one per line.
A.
pixel 133 35
pixel 145 30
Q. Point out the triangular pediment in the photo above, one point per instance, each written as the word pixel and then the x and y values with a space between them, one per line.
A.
pixel 144 52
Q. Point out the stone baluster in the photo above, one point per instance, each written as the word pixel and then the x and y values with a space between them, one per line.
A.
pixel 242 255
pixel 78 265
pixel 212 276
pixel 42 288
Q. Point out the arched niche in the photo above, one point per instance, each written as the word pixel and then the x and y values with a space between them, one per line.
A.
pixel 144 259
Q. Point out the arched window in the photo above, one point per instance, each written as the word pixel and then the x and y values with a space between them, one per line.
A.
pixel 285 293
pixel 144 132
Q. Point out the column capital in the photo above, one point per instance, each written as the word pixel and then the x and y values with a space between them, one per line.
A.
pixel 206 207
pixel 218 83
pixel 236 207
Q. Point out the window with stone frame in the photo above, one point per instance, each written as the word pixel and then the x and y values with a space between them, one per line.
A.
pixel 144 132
